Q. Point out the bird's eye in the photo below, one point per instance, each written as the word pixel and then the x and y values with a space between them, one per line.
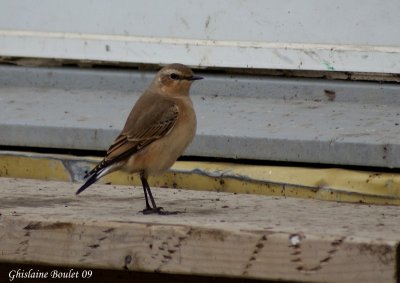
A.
pixel 174 76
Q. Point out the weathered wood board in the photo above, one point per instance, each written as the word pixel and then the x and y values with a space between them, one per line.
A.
pixel 218 234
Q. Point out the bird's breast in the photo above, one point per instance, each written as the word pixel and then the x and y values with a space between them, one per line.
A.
pixel 182 133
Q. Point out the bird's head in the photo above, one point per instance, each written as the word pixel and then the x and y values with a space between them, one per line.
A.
pixel 175 80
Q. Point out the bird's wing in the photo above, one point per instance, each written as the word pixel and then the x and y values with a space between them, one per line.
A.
pixel 140 131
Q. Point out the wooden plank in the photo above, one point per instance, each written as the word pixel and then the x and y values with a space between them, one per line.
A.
pixel 218 234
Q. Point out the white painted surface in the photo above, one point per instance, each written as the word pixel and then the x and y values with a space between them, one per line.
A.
pixel 292 34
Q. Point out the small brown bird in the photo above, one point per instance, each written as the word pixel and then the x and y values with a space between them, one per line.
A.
pixel 160 126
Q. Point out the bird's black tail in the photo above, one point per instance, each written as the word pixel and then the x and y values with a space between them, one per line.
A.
pixel 96 173
pixel 92 179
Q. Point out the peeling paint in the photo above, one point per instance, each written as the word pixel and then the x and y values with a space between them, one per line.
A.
pixel 325 184
pixel 329 66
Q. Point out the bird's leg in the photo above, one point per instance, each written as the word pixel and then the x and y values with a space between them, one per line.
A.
pixel 151 196
pixel 146 198
pixel 147 195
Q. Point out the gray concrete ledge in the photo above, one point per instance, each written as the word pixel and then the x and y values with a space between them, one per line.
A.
pixel 259 118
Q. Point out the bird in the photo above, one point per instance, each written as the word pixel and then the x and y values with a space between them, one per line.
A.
pixel 160 126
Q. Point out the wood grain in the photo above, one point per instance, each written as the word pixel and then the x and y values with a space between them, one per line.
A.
pixel 217 234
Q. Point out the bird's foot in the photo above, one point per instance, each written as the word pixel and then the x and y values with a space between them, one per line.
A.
pixel 150 210
pixel 158 210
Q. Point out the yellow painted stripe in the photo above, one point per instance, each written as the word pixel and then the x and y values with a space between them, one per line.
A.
pixel 33 167
pixel 325 184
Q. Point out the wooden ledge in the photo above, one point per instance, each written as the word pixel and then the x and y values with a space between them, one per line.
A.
pixel 219 234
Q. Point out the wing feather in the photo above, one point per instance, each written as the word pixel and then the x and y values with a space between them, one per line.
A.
pixel 138 134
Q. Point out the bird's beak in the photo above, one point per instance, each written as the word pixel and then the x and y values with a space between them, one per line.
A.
pixel 195 78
